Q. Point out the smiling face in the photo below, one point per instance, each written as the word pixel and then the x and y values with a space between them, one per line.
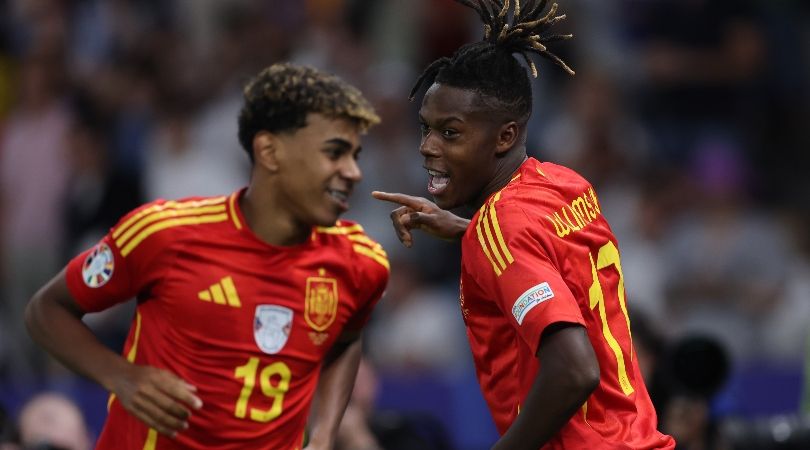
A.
pixel 316 169
pixel 462 143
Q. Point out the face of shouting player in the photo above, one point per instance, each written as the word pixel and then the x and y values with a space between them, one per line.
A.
pixel 462 145
pixel 317 169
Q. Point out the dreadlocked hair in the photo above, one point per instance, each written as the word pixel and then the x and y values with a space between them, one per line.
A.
pixel 488 66
pixel 279 98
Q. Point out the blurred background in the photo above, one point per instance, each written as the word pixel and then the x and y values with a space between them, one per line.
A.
pixel 690 117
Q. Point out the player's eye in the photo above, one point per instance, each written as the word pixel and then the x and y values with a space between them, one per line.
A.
pixel 333 153
pixel 449 133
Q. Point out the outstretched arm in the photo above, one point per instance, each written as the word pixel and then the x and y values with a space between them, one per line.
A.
pixel 334 390
pixel 569 372
pixel 157 397
pixel 422 214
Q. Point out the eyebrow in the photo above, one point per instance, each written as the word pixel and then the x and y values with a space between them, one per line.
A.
pixel 343 144
pixel 443 121
pixel 339 142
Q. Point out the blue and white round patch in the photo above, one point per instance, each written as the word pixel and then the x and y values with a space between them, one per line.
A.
pixel 98 266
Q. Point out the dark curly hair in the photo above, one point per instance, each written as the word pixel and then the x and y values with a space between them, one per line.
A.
pixel 488 67
pixel 280 97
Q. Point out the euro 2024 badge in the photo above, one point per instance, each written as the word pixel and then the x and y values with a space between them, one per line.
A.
pixel 271 327
pixel 98 267
pixel 320 306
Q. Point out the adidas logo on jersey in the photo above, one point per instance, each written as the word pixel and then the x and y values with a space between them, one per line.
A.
pixel 221 293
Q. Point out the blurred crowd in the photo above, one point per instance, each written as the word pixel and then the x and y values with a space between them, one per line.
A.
pixel 691 118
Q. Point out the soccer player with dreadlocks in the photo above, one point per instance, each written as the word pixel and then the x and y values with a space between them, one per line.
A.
pixel 247 303
pixel 542 287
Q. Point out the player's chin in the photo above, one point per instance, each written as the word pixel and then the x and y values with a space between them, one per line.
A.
pixel 446 201
pixel 327 216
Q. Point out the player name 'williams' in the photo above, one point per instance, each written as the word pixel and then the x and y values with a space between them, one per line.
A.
pixel 575 216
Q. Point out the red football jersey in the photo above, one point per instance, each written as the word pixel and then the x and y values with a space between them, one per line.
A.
pixel 245 322
pixel 540 252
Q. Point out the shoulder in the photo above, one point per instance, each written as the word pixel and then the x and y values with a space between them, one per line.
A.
pixel 162 221
pixel 550 193
pixel 350 237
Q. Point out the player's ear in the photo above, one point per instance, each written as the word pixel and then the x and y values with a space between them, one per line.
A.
pixel 507 137
pixel 265 150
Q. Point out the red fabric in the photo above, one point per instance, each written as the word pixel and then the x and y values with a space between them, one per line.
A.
pixel 546 277
pixel 205 342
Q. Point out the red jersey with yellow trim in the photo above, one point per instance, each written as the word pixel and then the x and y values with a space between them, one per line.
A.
pixel 245 322
pixel 540 252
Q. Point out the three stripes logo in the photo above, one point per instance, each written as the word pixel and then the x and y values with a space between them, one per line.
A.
pixel 221 293
pixel 490 237
pixel 159 217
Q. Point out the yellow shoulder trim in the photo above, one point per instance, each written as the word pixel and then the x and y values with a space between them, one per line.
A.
pixel 235 217
pixel 490 237
pixel 154 228
pixel 379 258
pixel 167 205
pixel 361 243
pixel 340 229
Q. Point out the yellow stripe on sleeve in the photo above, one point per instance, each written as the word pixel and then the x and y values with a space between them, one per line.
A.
pixel 363 250
pixel 481 214
pixel 496 226
pixel 167 205
pixel 366 240
pixel 154 217
pixel 235 217
pixel 491 241
pixel 154 228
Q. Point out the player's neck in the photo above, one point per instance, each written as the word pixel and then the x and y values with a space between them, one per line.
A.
pixel 267 221
pixel 503 175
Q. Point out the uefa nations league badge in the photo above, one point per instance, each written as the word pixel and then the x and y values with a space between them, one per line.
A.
pixel 98 266
pixel 271 327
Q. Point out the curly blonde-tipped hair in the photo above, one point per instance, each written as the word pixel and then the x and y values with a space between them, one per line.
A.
pixel 279 98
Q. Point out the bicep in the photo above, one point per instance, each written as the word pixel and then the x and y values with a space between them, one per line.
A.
pixel 56 293
pixel 349 341
pixel 565 349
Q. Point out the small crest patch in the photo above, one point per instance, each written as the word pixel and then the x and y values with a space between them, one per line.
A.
pixel 271 327
pixel 531 298
pixel 320 307
pixel 98 266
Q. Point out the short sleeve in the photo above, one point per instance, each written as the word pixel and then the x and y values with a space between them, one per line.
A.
pixel 512 264
pixel 104 275
pixel 374 279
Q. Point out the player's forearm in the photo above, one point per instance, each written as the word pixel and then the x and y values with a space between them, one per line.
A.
pixel 334 390
pixel 568 375
pixel 58 328
pixel 547 408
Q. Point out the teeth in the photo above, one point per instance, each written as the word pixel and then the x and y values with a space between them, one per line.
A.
pixel 342 196
pixel 434 173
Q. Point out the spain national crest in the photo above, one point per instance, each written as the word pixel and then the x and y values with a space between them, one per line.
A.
pixel 320 307
pixel 271 327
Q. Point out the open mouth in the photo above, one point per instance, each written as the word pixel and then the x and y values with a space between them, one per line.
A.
pixel 437 181
pixel 340 197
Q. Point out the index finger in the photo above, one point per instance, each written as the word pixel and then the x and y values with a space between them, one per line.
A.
pixel 405 200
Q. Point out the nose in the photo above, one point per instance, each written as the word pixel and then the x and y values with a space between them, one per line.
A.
pixel 429 147
pixel 350 170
